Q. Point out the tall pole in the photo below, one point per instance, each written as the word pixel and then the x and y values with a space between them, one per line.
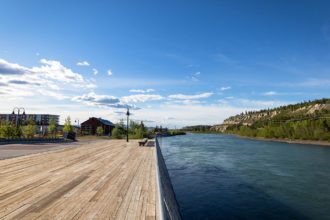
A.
pixel 127 114
pixel 17 118
pixel 18 111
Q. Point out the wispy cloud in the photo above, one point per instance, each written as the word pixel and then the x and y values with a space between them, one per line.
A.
pixel 83 63
pixel 308 83
pixel 270 93
pixel 250 103
pixel 95 71
pixel 138 98
pixel 186 97
pixel 109 72
pixel 194 76
pixel 141 90
pixel 224 88
pixel 314 83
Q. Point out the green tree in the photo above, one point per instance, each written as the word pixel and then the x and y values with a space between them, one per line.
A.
pixel 99 131
pixel 116 133
pixel 52 127
pixel 7 130
pixel 67 125
pixel 119 131
pixel 30 130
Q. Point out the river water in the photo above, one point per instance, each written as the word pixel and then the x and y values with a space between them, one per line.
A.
pixel 227 177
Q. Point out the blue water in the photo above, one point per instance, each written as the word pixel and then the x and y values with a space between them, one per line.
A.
pixel 227 177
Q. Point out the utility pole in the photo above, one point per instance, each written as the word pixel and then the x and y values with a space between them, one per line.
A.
pixel 127 114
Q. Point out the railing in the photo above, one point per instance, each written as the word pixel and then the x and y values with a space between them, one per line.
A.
pixel 169 208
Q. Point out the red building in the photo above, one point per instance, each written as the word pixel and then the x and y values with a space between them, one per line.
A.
pixel 89 127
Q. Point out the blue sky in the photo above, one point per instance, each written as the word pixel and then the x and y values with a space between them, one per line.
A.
pixel 174 63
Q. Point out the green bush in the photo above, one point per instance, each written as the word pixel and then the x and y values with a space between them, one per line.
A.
pixel 99 131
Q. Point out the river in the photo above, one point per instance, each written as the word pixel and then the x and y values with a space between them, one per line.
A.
pixel 227 177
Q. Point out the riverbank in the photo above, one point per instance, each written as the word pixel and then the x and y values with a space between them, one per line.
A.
pixel 290 141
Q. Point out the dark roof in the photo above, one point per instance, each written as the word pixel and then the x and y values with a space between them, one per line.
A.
pixel 106 122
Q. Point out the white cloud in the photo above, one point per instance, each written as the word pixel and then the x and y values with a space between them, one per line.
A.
pixel 52 69
pixel 109 72
pixel 186 97
pixel 95 71
pixel 7 68
pixel 94 99
pixel 51 76
pixel 112 101
pixel 224 88
pixel 251 103
pixel 140 98
pixel 83 63
pixel 141 90
pixel 230 97
pixel 270 93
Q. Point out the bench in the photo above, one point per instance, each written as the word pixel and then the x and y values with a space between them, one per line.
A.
pixel 143 142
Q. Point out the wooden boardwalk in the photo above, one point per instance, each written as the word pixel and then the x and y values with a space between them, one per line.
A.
pixel 97 180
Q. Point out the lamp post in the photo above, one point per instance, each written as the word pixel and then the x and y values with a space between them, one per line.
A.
pixel 77 121
pixel 127 114
pixel 18 111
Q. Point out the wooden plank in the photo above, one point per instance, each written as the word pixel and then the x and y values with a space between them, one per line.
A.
pixel 106 179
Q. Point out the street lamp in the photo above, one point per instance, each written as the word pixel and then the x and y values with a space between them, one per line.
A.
pixel 127 114
pixel 77 121
pixel 18 111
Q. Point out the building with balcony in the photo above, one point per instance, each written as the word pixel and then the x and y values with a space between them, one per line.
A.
pixel 22 119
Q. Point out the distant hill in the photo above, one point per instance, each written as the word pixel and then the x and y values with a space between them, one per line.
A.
pixel 307 120
pixel 197 128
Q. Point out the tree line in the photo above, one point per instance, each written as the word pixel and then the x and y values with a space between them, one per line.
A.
pixel 28 129
pixel 292 121
pixel 309 129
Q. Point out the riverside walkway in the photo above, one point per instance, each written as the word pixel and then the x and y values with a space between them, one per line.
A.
pixel 104 179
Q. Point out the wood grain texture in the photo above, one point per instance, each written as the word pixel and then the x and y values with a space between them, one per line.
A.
pixel 105 179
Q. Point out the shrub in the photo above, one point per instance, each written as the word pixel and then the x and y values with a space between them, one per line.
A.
pixel 99 131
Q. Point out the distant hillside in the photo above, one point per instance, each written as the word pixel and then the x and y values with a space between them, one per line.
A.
pixel 197 128
pixel 307 120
